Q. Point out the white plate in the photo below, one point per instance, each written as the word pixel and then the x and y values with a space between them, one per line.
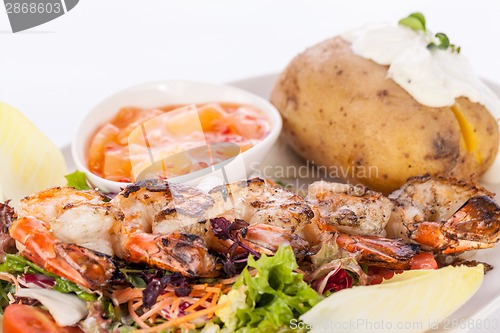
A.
pixel 480 314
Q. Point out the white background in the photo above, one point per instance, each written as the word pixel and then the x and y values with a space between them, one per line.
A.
pixel 56 72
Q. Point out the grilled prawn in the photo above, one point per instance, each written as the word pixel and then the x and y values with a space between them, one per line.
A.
pixel 67 232
pixel 163 225
pixel 350 209
pixel 445 215
pixel 275 216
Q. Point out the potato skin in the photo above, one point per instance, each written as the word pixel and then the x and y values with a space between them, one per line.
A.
pixel 341 111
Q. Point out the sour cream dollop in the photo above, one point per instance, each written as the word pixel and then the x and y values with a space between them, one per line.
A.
pixel 433 77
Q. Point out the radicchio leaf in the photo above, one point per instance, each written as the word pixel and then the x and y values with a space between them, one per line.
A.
pixel 179 282
pixel 337 275
pixel 337 281
pixel 157 284
pixel 40 280
pixel 7 216
pixel 234 261
pixel 221 227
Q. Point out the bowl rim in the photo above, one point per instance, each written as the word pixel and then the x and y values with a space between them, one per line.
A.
pixel 80 143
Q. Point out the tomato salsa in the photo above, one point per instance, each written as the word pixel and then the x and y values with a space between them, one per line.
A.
pixel 128 142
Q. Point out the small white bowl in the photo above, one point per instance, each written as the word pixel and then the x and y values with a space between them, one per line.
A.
pixel 164 93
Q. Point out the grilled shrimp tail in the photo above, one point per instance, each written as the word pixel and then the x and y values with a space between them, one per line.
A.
pixel 379 251
pixel 476 225
pixel 83 266
pixel 176 252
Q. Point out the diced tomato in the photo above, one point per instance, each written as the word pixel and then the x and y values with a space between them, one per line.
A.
pixel 424 260
pixel 19 318
pixel 378 274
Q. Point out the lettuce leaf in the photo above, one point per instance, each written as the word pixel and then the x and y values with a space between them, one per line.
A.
pixel 269 301
pixel 78 180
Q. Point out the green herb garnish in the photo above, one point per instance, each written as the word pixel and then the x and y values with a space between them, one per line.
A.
pixel 417 22
pixel 443 43
pixel 78 180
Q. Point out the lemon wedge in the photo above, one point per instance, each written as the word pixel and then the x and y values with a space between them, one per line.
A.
pixel 29 161
pixel 414 301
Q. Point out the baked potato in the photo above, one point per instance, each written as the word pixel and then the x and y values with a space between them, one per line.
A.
pixel 341 110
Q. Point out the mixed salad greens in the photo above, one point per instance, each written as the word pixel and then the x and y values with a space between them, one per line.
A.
pixel 267 295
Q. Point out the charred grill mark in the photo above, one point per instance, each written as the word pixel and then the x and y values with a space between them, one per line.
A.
pixel 152 185
pixel 131 189
pixel 255 181
pixel 68 206
pixel 168 212
pixel 257 204
pixel 346 217
pixel 477 220
pixel 192 238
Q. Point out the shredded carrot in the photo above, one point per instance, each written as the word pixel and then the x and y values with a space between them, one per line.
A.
pixel 213 303
pixel 181 320
pixel 201 296
pixel 197 293
pixel 196 304
pixel 124 295
pixel 215 299
pixel 174 309
pixel 155 309
pixel 135 317
pixel 200 286
pixel 137 305
pixel 213 290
